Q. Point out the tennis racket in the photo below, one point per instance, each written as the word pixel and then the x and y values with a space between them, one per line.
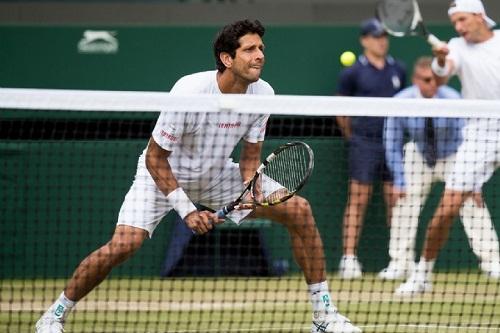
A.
pixel 402 18
pixel 287 168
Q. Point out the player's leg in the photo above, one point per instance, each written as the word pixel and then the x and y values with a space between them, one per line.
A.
pixel 90 273
pixel 475 215
pixel 95 268
pixel 296 215
pixel 405 215
pixel 482 235
pixel 141 211
pixel 475 163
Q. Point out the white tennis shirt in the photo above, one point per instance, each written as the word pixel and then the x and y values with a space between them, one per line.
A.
pixel 478 66
pixel 201 143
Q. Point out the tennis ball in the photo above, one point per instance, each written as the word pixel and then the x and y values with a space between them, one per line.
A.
pixel 347 58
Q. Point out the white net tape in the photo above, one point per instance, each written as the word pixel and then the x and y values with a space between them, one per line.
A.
pixel 88 100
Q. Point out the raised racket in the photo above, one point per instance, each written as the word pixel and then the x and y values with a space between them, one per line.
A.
pixel 402 18
pixel 287 168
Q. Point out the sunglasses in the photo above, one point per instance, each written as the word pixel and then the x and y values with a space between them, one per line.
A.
pixel 426 79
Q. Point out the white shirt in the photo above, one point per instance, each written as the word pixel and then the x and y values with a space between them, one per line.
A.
pixel 201 143
pixel 478 66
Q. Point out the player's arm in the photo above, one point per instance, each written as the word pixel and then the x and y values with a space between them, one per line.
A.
pixel 159 168
pixel 249 162
pixel 442 66
pixel 249 159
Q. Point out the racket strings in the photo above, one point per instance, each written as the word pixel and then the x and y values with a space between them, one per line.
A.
pixel 397 16
pixel 290 167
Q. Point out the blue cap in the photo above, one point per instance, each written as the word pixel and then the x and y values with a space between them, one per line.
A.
pixel 372 27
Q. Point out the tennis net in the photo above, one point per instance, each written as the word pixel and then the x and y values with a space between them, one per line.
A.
pixel 67 159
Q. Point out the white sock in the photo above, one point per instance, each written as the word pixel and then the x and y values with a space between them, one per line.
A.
pixel 424 268
pixel 320 297
pixel 62 306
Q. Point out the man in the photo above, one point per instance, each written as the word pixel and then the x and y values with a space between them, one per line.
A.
pixel 187 158
pixel 375 74
pixel 428 157
pixel 474 57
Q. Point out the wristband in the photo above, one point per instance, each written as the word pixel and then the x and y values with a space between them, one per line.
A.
pixel 438 70
pixel 180 202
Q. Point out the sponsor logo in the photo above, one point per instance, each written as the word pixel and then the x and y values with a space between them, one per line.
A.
pixel 98 42
pixel 229 125
pixel 316 314
pixel 59 311
pixel 326 300
pixel 168 136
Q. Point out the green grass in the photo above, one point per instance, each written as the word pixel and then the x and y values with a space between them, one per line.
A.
pixel 459 303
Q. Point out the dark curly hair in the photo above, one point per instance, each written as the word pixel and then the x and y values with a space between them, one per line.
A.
pixel 227 40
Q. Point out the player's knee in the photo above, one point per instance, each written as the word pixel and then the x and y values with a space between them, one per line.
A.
pixel 121 251
pixel 123 245
pixel 302 210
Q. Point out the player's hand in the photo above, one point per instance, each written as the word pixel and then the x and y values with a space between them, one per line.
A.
pixel 396 194
pixel 202 222
pixel 478 199
pixel 440 52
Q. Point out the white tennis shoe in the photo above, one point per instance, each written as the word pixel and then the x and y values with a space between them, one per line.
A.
pixel 332 322
pixel 350 268
pixel 414 286
pixel 492 270
pixel 50 323
pixel 395 271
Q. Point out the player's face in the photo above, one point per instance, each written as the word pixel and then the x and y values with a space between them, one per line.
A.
pixel 424 80
pixel 469 26
pixel 377 46
pixel 249 59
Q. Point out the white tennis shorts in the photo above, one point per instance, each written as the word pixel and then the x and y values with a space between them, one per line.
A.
pixel 145 205
pixel 477 157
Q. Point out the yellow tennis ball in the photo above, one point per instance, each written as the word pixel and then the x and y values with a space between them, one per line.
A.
pixel 347 58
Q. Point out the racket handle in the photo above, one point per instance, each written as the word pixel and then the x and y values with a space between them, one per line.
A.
pixel 434 41
pixel 221 213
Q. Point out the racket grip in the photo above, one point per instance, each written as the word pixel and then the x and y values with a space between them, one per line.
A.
pixel 221 213
pixel 434 41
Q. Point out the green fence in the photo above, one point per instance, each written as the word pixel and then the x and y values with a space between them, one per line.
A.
pixel 60 200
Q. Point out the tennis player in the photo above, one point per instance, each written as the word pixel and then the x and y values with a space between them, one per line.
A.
pixel 475 57
pixel 188 160
pixel 427 157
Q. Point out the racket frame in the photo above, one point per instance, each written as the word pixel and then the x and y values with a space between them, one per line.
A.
pixel 416 28
pixel 250 188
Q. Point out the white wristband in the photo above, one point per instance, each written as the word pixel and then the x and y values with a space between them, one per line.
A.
pixel 179 200
pixel 438 70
